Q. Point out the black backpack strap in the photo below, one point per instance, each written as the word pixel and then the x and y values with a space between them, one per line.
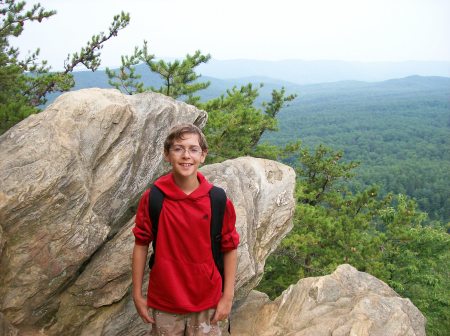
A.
pixel 218 204
pixel 155 202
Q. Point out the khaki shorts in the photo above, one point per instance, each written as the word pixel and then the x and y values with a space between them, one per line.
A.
pixel 192 324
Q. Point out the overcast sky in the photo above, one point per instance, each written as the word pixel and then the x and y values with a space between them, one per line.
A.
pixel 351 30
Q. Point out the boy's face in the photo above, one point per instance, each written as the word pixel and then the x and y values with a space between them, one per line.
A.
pixel 185 156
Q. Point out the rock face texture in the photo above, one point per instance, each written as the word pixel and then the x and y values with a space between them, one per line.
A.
pixel 70 178
pixel 346 302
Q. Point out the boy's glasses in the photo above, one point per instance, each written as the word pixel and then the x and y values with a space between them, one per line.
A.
pixel 193 151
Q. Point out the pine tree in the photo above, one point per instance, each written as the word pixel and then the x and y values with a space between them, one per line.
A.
pixel 332 226
pixel 417 260
pixel 179 77
pixel 235 126
pixel 126 79
pixel 25 83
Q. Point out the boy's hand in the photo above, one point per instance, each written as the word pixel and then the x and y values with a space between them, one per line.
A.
pixel 142 309
pixel 223 309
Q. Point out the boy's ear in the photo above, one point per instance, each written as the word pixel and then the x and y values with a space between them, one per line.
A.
pixel 203 157
pixel 166 157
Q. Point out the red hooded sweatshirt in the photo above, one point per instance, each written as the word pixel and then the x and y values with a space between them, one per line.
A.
pixel 184 277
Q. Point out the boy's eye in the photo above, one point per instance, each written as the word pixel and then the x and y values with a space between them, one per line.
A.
pixel 178 150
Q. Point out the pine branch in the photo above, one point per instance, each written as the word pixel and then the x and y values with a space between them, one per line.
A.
pixel 88 56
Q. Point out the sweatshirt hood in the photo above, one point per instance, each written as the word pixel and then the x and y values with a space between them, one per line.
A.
pixel 168 186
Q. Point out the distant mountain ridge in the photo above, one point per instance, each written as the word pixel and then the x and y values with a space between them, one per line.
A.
pixel 291 71
pixel 308 72
pixel 219 86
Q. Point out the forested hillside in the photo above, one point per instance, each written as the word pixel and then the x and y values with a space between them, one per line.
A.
pixel 399 130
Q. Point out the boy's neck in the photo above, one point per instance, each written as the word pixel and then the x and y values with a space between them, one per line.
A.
pixel 187 185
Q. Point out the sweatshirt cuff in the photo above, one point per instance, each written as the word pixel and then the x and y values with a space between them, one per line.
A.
pixel 230 241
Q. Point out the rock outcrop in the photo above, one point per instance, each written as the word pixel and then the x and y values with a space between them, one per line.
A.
pixel 70 180
pixel 345 303
pixel 69 177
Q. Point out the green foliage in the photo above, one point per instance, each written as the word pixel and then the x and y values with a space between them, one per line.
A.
pixel 179 79
pixel 235 125
pixel 416 259
pixel 384 237
pixel 320 172
pixel 89 55
pixel 331 225
pixel 14 106
pixel 25 83
pixel 279 100
pixel 126 79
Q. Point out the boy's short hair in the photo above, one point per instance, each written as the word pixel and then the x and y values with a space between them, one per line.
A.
pixel 177 132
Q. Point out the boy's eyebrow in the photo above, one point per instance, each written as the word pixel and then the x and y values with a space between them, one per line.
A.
pixel 191 146
pixel 180 145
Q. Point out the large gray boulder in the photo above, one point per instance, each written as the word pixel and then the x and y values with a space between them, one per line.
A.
pixel 70 177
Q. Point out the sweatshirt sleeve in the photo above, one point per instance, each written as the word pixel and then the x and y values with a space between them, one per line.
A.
pixel 143 228
pixel 230 237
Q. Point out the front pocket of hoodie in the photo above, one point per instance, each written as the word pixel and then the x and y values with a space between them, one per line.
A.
pixel 183 284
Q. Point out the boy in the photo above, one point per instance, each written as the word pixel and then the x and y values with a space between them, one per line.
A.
pixel 185 287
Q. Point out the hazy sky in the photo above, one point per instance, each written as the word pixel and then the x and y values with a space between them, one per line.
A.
pixel 352 30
